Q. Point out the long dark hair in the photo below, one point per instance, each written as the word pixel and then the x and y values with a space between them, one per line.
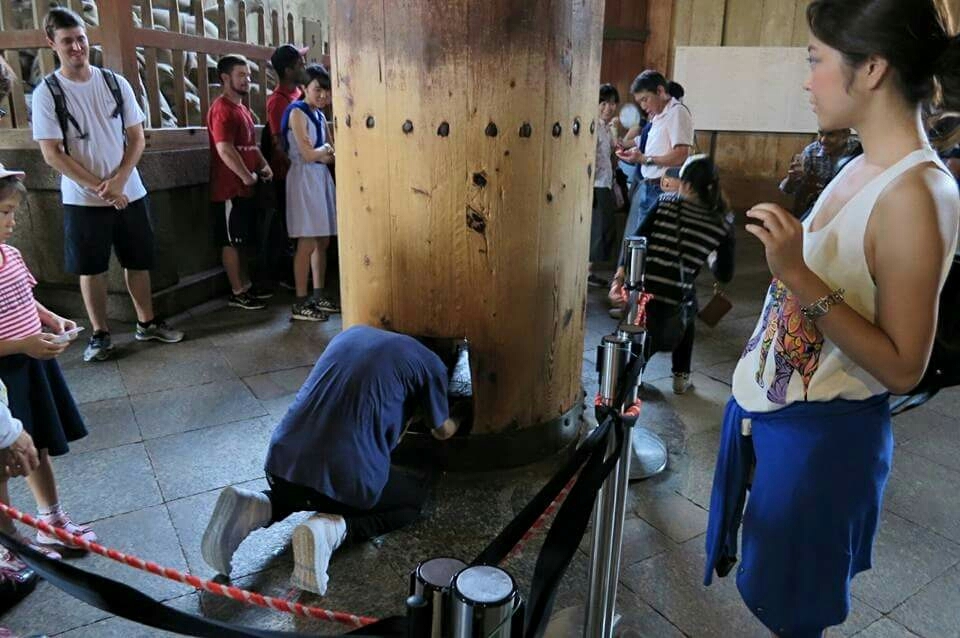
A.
pixel 701 174
pixel 914 39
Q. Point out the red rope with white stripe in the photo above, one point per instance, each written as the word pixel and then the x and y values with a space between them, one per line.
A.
pixel 235 593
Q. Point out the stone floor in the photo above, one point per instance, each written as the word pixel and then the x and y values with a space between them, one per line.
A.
pixel 171 425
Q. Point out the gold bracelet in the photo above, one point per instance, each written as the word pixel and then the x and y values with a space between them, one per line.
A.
pixel 822 305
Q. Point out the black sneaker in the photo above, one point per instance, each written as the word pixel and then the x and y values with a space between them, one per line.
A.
pixel 259 293
pixel 99 348
pixel 308 311
pixel 245 301
pixel 597 282
pixel 327 305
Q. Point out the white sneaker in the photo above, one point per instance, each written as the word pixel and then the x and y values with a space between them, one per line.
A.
pixel 314 542
pixel 681 382
pixel 237 513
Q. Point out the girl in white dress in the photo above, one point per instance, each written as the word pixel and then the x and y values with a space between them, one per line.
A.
pixel 311 195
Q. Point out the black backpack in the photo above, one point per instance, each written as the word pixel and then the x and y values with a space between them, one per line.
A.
pixel 63 115
pixel 943 371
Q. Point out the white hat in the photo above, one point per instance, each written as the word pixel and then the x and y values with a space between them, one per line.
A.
pixel 8 173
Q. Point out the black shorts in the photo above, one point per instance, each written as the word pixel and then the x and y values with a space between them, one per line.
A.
pixel 89 232
pixel 235 221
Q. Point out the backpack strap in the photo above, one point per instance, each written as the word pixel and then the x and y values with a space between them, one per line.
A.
pixel 111 80
pixel 60 108
pixel 316 119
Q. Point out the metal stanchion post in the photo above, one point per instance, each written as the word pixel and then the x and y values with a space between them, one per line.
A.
pixel 649 451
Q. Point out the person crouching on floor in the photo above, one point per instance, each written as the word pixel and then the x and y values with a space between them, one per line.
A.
pixel 331 453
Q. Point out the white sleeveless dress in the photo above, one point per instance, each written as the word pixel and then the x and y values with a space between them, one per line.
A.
pixel 788 359
pixel 311 195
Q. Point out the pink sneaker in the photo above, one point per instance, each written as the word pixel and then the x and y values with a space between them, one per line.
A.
pixel 62 520
pixel 52 554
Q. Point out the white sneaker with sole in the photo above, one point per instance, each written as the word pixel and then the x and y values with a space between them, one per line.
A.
pixel 314 542
pixel 237 513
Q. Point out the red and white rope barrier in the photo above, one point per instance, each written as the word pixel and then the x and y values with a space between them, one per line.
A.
pixel 235 593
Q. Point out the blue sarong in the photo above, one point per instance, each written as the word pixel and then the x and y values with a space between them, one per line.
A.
pixel 812 512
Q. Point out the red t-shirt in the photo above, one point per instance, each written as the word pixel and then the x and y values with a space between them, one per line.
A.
pixel 18 311
pixel 277 103
pixel 229 122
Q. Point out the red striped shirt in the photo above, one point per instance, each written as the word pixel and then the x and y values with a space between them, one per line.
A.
pixel 18 309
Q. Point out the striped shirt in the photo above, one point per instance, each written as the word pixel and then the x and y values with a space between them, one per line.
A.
pixel 700 232
pixel 18 309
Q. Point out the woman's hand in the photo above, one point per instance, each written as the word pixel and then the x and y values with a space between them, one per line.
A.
pixel 59 325
pixel 326 154
pixel 21 458
pixel 782 237
pixel 42 346
pixel 631 155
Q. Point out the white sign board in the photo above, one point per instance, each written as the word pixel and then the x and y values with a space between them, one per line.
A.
pixel 754 89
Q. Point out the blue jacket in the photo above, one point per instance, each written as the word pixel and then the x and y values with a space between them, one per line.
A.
pixel 818 474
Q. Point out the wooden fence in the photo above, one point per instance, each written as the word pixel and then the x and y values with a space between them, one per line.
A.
pixel 134 51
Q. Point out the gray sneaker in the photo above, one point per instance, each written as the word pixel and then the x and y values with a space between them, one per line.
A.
pixel 308 311
pixel 158 331
pixel 99 348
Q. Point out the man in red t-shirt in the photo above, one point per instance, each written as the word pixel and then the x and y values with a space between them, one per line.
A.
pixel 288 62
pixel 236 163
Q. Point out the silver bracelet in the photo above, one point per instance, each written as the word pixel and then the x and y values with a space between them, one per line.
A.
pixel 822 305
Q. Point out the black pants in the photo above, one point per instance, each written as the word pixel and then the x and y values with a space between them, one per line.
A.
pixel 682 353
pixel 400 504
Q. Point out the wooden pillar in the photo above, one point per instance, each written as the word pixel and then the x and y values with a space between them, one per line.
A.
pixel 465 150
pixel 118 42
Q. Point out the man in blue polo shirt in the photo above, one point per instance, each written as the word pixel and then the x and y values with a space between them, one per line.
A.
pixel 331 453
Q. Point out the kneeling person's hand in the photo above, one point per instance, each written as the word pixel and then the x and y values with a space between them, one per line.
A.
pixel 445 431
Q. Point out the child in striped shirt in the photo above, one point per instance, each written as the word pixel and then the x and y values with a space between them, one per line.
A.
pixel 37 392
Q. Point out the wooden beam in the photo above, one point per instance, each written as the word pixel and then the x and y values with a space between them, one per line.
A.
pixel 150 69
pixel 119 43
pixel 203 73
pixel 185 42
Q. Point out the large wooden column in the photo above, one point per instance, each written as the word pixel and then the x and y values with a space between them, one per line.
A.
pixel 465 136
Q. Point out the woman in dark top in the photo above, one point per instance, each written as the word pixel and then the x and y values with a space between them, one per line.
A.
pixel 687 226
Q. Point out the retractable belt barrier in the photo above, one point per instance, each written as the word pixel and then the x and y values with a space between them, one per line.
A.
pixel 575 486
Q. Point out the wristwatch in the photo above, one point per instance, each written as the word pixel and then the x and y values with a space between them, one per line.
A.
pixel 822 305
pixel 648 161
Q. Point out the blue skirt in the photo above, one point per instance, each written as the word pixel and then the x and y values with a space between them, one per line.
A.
pixel 40 398
pixel 819 471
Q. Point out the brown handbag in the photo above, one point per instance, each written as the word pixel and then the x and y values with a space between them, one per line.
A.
pixel 716 308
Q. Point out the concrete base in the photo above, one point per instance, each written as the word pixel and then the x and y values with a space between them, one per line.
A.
pixel 476 452
pixel 187 269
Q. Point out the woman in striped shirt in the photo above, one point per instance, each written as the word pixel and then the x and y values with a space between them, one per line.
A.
pixel 687 226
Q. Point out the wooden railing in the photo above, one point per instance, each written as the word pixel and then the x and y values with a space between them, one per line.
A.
pixel 135 52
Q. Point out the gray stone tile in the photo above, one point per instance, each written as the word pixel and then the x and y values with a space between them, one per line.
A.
pixel 271 347
pixel 933 611
pixel 61 612
pixel 145 533
pixel 939 443
pixel 119 628
pixel 109 423
pixel 640 620
pixel 89 483
pixel 95 382
pixel 861 616
pixel 947 402
pixel 925 493
pixel 918 422
pixel 695 467
pixel 279 384
pixel 182 365
pixel 677 517
pixel 721 372
pixel 183 409
pixel 640 542
pixel 905 558
pixel 886 628
pixel 202 460
pixel 701 407
pixel 264 549
pixel 671 583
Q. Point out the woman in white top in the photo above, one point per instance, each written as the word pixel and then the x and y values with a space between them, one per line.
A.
pixel 850 317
